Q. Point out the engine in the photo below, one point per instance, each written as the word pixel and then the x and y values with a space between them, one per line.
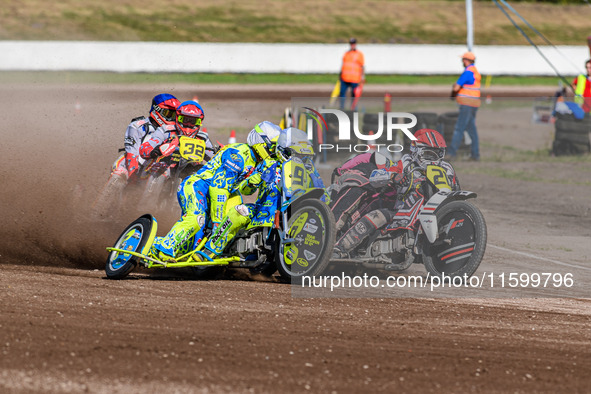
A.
pixel 249 241
pixel 392 253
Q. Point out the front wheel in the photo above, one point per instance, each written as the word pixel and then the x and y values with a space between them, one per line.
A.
pixel 134 239
pixel 110 197
pixel 311 238
pixel 460 245
pixel 155 186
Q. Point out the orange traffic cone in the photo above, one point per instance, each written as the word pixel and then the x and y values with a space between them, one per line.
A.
pixel 196 99
pixel 232 139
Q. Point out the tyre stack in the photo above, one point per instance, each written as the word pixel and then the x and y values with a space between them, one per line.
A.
pixel 371 125
pixel 446 123
pixel 425 120
pixel 572 135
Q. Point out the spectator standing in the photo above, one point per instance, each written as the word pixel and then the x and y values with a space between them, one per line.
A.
pixel 582 88
pixel 352 71
pixel 467 93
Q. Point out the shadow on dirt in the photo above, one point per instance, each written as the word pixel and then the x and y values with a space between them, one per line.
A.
pixel 186 274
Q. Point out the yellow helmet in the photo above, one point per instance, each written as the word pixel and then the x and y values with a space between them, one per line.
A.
pixel 262 139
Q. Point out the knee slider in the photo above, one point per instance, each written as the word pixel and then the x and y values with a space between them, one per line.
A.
pixel 200 221
pixel 240 215
pixel 242 209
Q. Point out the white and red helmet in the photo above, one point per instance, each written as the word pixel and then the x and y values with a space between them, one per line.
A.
pixel 163 109
pixel 429 146
pixel 189 117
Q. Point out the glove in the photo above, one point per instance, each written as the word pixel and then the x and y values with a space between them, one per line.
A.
pixel 264 172
pixel 402 182
pixel 155 153
pixel 158 167
pixel 402 179
pixel 379 179
pixel 268 174
pixel 255 179
pixel 166 148
pixel 453 94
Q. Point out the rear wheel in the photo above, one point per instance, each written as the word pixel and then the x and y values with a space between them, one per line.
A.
pixel 460 245
pixel 151 196
pixel 312 231
pixel 133 239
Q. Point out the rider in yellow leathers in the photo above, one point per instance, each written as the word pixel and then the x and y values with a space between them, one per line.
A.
pixel 240 216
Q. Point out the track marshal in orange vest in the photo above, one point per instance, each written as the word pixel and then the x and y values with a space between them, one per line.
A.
pixel 352 71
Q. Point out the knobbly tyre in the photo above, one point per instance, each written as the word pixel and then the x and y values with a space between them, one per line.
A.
pixel 119 188
pixel 445 232
pixel 166 172
pixel 292 230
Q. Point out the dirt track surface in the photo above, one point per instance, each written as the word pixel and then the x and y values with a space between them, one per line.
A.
pixel 65 328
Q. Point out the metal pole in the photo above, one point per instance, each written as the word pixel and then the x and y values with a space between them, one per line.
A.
pixel 469 25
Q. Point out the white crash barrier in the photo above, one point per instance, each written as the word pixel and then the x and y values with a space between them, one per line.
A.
pixel 286 58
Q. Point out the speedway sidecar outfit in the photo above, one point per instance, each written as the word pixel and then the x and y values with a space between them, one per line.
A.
pixel 239 216
pixel 346 193
pixel 203 196
pixel 402 188
pixel 267 177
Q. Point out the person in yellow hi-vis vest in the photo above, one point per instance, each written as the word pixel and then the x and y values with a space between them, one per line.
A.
pixel 467 93
pixel 352 71
pixel 582 88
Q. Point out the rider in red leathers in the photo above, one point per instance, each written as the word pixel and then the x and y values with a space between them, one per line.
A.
pixel 129 168
pixel 346 192
pixel 397 194
pixel 162 112
pixel 188 120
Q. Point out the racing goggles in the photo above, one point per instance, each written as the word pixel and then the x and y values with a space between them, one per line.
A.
pixel 430 154
pixel 261 151
pixel 166 113
pixel 189 121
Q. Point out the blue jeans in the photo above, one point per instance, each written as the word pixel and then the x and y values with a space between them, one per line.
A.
pixel 466 122
pixel 343 92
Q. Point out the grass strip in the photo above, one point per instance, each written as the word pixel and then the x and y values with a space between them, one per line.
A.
pixel 239 78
